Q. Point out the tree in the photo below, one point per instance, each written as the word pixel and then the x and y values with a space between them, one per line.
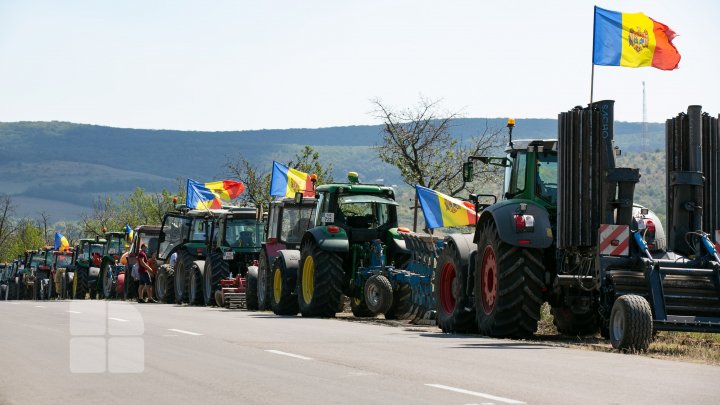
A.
pixel 308 161
pixel 419 142
pixel 8 227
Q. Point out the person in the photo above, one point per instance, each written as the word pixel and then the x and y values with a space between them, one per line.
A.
pixel 144 269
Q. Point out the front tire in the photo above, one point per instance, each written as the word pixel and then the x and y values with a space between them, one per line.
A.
pixel 107 281
pixel 284 276
pixel 508 286
pixel 631 323
pixel 251 293
pixel 165 284
pixel 80 283
pixel 183 264
pixel 320 279
pixel 195 293
pixel 264 283
pixel 402 306
pixel 216 269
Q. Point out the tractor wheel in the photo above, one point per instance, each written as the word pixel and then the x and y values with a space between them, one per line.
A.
pixel 130 284
pixel 195 293
pixel 12 290
pixel 359 308
pixel 251 293
pixel 50 287
pixel 264 283
pixel 570 323
pixel 183 264
pixel 80 284
pixel 36 289
pixel 165 284
pixel 216 269
pixel 106 280
pixel 452 302
pixel 219 298
pixel 631 323
pixel 320 279
pixel 402 303
pixel 284 276
pixel 378 294
pixel 508 286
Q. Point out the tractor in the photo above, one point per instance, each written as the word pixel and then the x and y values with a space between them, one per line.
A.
pixel 87 257
pixel 233 255
pixel 568 232
pixel 126 285
pixel 185 233
pixel 353 234
pixel 11 281
pixel 110 266
pixel 62 279
pixel 286 223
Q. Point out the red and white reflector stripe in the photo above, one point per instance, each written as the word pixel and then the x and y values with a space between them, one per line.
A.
pixel 614 240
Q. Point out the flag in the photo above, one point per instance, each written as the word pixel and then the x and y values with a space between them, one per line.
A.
pixel 209 195
pixel 286 182
pixel 632 40
pixel 441 210
pixel 61 242
pixel 129 232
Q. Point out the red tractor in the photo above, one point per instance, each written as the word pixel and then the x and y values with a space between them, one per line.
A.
pixel 231 294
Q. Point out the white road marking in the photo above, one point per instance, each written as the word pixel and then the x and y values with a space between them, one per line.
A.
pixel 185 332
pixel 75 312
pixel 39 306
pixel 477 394
pixel 297 356
pixel 118 319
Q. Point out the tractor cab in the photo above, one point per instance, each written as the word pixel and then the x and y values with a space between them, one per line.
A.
pixel 531 171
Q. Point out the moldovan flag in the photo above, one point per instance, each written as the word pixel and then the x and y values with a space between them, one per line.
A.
pixel 209 195
pixel 632 40
pixel 129 234
pixel 286 182
pixel 61 242
pixel 441 210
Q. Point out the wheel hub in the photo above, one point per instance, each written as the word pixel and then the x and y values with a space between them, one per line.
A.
pixel 488 280
pixel 372 295
pixel 277 285
pixel 449 288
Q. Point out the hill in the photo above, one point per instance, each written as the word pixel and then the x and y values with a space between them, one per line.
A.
pixel 62 167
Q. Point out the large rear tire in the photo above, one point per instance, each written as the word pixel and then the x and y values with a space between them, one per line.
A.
pixel 508 286
pixel 264 283
pixel 216 269
pixel 183 264
pixel 284 276
pixel 165 284
pixel 631 323
pixel 571 323
pixel 453 305
pixel 320 279
pixel 106 280
pixel 196 291
pixel 80 283
pixel 251 293
pixel 402 303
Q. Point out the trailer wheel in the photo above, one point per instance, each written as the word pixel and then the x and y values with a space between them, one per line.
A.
pixel 195 295
pixel 251 293
pixel 508 286
pixel 183 264
pixel 216 269
pixel 321 277
pixel 570 323
pixel 378 294
pixel 80 284
pixel 264 283
pixel 631 323
pixel 453 314
pixel 284 277
pixel 402 306
pixel 165 284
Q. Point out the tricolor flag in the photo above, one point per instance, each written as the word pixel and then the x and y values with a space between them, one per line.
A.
pixel 632 40
pixel 286 182
pixel 129 234
pixel 61 242
pixel 209 195
pixel 441 210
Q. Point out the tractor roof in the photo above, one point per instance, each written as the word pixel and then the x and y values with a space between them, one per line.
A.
pixel 111 234
pixel 355 188
pixel 525 144
pixel 147 228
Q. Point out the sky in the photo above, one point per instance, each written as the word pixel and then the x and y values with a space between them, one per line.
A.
pixel 237 65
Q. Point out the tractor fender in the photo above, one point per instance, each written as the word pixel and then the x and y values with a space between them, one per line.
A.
pixel 502 214
pixel 291 261
pixel 464 245
pixel 330 242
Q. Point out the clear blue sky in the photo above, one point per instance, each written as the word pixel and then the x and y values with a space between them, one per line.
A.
pixel 231 65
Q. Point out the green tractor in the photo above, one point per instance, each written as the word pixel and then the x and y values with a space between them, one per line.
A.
pixel 185 233
pixel 87 258
pixel 234 251
pixel 110 267
pixel 352 234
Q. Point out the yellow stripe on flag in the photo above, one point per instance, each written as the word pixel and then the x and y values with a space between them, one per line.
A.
pixel 638 40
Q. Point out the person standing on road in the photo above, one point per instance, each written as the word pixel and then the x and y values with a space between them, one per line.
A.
pixel 144 269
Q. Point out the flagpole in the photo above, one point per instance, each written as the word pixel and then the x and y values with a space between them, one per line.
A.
pixel 592 82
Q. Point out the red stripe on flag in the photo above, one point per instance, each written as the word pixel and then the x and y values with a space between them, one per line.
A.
pixel 666 56
pixel 233 188
pixel 607 241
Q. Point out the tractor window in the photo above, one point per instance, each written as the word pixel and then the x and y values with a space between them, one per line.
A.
pixel 175 230
pixel 365 212
pixel 199 225
pixel 547 177
pixel 243 232
pixel 519 169
pixel 295 221
pixel 62 261
pixel 114 246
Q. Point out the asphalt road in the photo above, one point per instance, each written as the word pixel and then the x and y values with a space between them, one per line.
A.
pixel 84 352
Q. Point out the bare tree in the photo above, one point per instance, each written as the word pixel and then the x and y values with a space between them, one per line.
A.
pixel 43 223
pixel 257 182
pixel 419 142
pixel 103 215
pixel 8 227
